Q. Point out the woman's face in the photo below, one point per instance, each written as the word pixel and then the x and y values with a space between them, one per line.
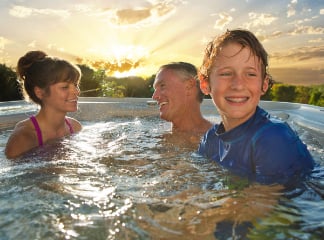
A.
pixel 236 84
pixel 63 96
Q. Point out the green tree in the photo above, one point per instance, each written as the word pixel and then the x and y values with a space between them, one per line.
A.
pixel 150 82
pixel 134 87
pixel 91 81
pixel 111 89
pixel 129 86
pixel 302 94
pixel 283 93
pixel 317 96
pixel 95 83
pixel 9 86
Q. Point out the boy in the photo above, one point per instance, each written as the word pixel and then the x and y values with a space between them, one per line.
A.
pixel 247 141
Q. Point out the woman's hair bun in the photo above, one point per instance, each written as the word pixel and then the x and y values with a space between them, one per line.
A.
pixel 27 60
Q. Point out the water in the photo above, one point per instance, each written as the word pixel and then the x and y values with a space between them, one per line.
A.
pixel 126 177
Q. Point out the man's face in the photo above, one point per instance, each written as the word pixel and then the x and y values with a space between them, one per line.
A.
pixel 170 94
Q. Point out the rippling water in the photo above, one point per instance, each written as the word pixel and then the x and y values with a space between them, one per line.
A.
pixel 129 178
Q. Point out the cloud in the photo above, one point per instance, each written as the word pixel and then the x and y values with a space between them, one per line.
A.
pixel 276 34
pixel 54 47
pixel 4 57
pixel 143 16
pixel 300 54
pixel 3 43
pixel 131 16
pixel 317 40
pixel 121 58
pixel 24 12
pixel 32 44
pixel 321 11
pixel 111 67
pixel 273 35
pixel 224 19
pixel 83 8
pixel 291 8
pixel 307 30
pixel 262 19
pixel 20 12
pixel 259 19
pixel 151 14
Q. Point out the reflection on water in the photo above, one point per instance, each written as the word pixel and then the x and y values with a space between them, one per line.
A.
pixel 129 178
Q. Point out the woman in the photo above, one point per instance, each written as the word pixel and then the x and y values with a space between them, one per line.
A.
pixel 53 84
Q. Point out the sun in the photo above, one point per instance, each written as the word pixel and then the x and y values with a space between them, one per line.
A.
pixel 121 60
pixel 131 52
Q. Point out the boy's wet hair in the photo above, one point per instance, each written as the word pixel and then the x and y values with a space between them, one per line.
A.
pixel 243 37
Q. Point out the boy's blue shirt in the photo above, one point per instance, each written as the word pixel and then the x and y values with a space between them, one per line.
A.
pixel 263 148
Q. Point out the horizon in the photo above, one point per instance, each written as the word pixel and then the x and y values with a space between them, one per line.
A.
pixel 135 38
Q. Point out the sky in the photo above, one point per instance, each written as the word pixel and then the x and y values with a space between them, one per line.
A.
pixel 134 38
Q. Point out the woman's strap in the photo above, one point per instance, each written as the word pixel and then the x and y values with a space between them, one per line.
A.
pixel 69 125
pixel 38 131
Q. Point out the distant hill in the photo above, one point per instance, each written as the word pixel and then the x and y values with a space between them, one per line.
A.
pixel 298 76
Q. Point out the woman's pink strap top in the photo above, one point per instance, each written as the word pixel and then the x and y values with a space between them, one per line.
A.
pixel 39 133
pixel 69 125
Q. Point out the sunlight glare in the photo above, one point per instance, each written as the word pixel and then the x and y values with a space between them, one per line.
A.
pixel 126 59
pixel 121 52
pixel 130 52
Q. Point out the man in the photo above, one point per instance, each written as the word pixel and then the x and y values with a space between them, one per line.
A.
pixel 177 92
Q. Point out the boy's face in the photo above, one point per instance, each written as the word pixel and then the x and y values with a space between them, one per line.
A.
pixel 236 84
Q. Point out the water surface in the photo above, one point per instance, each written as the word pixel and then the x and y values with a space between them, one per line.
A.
pixel 129 178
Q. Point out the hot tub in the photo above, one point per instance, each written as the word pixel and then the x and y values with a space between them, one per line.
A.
pixel 124 176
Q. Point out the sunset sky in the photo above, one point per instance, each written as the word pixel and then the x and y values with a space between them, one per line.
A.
pixel 136 37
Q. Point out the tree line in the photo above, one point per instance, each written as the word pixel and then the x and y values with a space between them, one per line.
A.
pixel 96 83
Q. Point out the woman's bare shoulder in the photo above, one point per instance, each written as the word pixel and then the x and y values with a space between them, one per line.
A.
pixel 76 125
pixel 22 139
